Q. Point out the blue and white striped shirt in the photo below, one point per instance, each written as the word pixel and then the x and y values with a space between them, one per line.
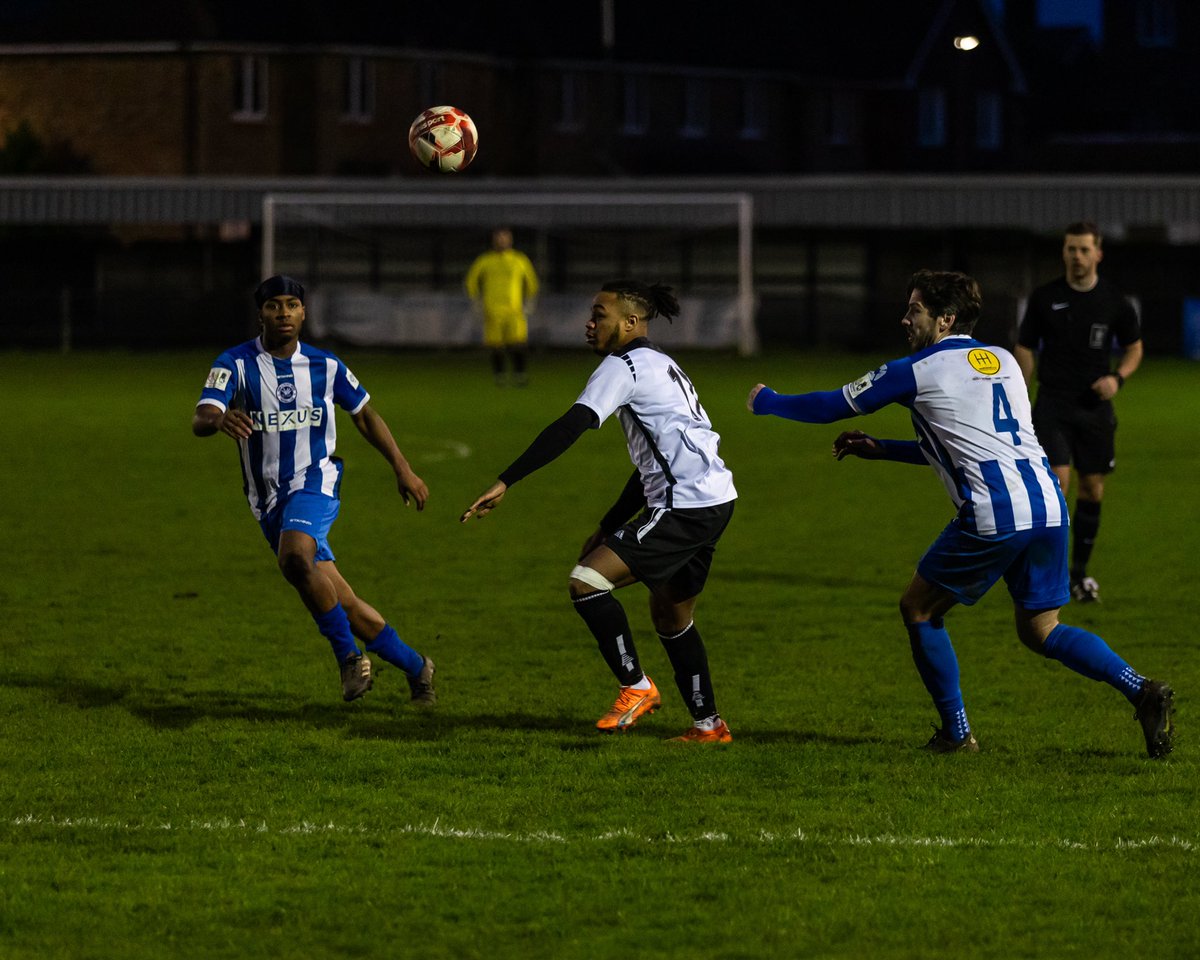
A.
pixel 974 424
pixel 970 407
pixel 291 405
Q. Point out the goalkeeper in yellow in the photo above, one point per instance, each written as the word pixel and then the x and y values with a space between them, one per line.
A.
pixel 500 282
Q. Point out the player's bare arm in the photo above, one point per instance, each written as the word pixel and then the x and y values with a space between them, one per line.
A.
pixel 209 419
pixel 486 502
pixel 855 443
pixel 375 430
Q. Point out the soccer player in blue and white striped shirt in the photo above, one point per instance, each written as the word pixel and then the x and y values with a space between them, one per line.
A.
pixel 973 422
pixel 276 396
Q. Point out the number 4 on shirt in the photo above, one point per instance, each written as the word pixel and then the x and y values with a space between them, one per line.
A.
pixel 1002 416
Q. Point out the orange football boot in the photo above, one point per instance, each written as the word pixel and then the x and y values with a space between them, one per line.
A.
pixel 631 706
pixel 718 734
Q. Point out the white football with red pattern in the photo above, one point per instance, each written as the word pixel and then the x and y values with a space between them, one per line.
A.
pixel 443 139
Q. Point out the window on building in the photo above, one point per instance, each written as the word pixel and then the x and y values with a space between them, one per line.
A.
pixel 754 111
pixel 989 120
pixel 570 102
pixel 1155 23
pixel 931 117
pixel 636 107
pixel 839 118
pixel 358 90
pixel 250 88
pixel 697 108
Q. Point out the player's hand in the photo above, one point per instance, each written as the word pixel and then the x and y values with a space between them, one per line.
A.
pixel 1106 387
pixel 236 424
pixel 486 502
pixel 758 388
pixel 858 444
pixel 412 488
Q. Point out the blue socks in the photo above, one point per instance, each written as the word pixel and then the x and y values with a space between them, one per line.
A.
pixel 1077 649
pixel 335 627
pixel 1087 654
pixel 938 666
pixel 395 651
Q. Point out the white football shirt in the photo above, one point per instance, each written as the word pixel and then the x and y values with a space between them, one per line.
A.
pixel 671 440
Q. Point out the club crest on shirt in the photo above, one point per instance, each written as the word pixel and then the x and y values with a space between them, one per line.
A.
pixel 984 361
pixel 286 392
pixel 217 378
pixel 864 383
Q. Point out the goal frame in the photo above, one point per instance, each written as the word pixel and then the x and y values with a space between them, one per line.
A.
pixel 613 209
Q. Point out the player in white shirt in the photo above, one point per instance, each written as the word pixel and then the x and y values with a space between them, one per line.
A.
pixel 973 422
pixel 276 397
pixel 681 486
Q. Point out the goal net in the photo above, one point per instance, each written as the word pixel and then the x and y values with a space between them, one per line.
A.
pixel 387 269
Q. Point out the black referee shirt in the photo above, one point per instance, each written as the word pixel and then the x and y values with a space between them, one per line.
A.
pixel 1073 332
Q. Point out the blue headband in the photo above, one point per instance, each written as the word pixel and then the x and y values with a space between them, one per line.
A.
pixel 278 286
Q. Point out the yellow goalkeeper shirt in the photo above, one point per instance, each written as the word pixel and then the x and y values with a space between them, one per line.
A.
pixel 502 279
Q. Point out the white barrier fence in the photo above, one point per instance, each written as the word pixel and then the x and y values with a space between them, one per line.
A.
pixel 366 318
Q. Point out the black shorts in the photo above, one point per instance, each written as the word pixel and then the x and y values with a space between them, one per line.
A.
pixel 672 548
pixel 1072 433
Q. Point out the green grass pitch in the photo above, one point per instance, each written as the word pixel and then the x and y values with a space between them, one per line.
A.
pixel 181 779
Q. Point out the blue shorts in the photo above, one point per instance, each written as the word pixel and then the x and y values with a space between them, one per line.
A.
pixel 311 513
pixel 1032 562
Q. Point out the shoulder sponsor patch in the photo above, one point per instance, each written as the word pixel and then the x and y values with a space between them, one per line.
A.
pixel 218 378
pixel 864 383
pixel 351 379
pixel 984 361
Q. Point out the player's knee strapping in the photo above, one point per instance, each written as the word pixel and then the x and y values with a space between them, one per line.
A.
pixel 592 578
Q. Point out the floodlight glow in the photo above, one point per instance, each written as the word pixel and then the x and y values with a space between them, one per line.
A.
pixel 966 43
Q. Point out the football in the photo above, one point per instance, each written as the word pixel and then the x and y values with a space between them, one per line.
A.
pixel 443 139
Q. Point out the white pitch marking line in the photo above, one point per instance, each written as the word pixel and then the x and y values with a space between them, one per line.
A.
pixel 451 450
pixel 437 829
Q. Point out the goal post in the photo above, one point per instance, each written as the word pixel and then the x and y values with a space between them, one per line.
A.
pixel 381 253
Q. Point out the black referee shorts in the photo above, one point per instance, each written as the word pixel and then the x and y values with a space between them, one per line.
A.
pixel 672 548
pixel 1072 433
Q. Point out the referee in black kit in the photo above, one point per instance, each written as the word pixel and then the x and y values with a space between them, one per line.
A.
pixel 1069 326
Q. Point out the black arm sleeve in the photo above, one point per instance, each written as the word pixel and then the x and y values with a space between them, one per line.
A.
pixel 631 500
pixel 551 442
